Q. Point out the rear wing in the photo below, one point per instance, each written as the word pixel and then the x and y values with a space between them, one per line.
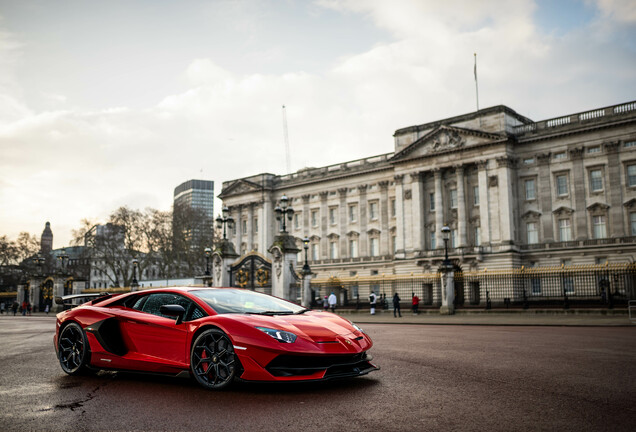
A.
pixel 66 300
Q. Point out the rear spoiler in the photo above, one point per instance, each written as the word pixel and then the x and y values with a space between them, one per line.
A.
pixel 65 299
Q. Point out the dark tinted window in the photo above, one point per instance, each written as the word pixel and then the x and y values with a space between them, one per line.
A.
pixel 152 304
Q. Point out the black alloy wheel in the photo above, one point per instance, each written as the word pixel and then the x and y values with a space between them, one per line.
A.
pixel 73 349
pixel 212 360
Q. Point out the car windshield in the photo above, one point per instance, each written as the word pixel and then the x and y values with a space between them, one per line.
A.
pixel 240 301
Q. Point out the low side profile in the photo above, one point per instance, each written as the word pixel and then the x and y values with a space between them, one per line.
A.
pixel 214 334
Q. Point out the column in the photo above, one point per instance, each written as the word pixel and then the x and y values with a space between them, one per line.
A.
pixel 417 214
pixel 461 206
pixel 306 214
pixel 324 225
pixel 342 195
pixel 439 208
pixel 545 197
pixel 385 215
pixel 580 214
pixel 250 227
pixel 484 204
pixel 362 207
pixel 615 188
pixel 239 228
pixel 399 216
pixel 506 199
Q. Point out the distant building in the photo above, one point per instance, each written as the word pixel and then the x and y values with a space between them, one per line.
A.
pixel 196 194
pixel 512 191
pixel 46 241
pixel 194 197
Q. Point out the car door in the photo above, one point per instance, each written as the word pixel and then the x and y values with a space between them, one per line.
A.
pixel 154 335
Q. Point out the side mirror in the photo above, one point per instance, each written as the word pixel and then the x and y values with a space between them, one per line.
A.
pixel 173 311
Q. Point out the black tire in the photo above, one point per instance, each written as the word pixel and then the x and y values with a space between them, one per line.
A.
pixel 212 360
pixel 72 349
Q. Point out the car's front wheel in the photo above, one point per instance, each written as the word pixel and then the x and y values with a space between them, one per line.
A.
pixel 212 360
pixel 72 348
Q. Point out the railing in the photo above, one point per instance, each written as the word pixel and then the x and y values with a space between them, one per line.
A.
pixel 614 110
pixel 594 285
pixel 332 169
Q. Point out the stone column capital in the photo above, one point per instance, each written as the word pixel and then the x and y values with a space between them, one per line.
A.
pixel 611 147
pixel 306 198
pixel 342 192
pixel 323 195
pixel 383 184
pixel 362 188
pixel 576 153
pixel 399 178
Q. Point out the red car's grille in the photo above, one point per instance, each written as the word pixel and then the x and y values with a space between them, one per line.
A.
pixel 336 365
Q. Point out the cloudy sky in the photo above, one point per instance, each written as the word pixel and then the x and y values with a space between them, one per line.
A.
pixel 110 103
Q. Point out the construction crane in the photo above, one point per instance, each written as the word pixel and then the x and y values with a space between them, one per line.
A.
pixel 285 133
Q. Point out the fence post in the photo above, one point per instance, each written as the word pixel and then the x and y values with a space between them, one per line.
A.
pixel 610 298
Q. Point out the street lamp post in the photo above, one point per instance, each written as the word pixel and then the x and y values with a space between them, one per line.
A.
pixel 134 283
pixel 39 261
pixel 63 257
pixel 306 268
pixel 446 236
pixel 283 211
pixel 307 301
pixel 208 251
pixel 223 222
pixel 448 282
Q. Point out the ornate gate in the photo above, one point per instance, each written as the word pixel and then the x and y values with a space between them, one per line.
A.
pixel 46 293
pixel 252 271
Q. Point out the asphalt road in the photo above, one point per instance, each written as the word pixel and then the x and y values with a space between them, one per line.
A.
pixel 432 378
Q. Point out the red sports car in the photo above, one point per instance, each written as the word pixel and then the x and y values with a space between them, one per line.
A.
pixel 215 334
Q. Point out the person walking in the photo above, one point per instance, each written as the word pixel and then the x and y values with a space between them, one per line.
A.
pixel 415 303
pixel 332 302
pixel 2 308
pixel 28 308
pixel 23 310
pixel 396 305
pixel 47 309
pixel 372 302
pixel 14 307
pixel 325 303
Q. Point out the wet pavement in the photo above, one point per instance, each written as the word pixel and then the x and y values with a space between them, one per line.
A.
pixel 433 377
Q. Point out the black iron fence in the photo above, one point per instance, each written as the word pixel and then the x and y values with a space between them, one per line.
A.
pixel 606 285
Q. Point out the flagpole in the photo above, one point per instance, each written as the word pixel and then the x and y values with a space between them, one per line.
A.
pixel 476 83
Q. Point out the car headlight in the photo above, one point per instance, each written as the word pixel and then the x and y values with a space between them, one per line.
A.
pixel 357 328
pixel 279 335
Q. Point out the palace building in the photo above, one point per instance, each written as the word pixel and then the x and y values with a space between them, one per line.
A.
pixel 514 192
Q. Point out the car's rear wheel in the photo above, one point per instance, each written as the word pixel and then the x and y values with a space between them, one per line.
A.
pixel 72 349
pixel 212 360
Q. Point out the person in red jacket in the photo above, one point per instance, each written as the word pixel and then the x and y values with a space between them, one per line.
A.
pixel 415 304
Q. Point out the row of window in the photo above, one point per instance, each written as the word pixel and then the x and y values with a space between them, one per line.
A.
pixel 599 228
pixel 561 183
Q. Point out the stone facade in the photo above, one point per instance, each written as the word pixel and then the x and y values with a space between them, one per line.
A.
pixel 514 192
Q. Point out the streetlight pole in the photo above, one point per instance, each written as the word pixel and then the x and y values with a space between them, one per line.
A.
pixel 134 284
pixel 223 222
pixel 208 251
pixel 39 261
pixel 307 301
pixel 283 211
pixel 446 236
pixel 63 257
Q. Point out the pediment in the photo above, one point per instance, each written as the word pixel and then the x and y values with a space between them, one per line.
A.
pixel 531 214
pixel 630 204
pixel 597 207
pixel 445 139
pixel 563 211
pixel 239 187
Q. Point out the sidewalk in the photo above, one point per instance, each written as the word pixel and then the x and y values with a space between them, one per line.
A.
pixel 507 317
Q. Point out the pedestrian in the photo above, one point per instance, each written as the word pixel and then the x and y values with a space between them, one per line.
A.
pixel 415 303
pixel 28 308
pixel 325 303
pixel 23 309
pixel 332 302
pixel 2 308
pixel 396 305
pixel 14 307
pixel 372 301
pixel 46 309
